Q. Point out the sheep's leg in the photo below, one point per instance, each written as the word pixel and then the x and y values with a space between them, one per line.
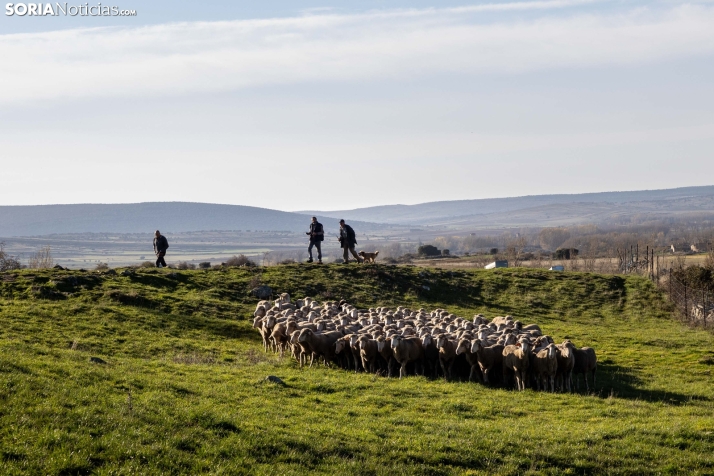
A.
pixel 443 369
pixel 312 359
pixel 485 373
pixel 594 378
pixel 403 370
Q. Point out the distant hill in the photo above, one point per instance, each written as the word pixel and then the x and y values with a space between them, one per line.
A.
pixel 536 209
pixel 143 217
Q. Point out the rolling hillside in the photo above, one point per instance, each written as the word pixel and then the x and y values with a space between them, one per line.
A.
pixel 146 217
pixel 183 390
pixel 538 210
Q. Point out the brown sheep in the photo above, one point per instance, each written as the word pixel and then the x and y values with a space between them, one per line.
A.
pixel 464 347
pixel 516 360
pixel 320 344
pixel 489 358
pixel 566 362
pixel 368 352
pixel 407 349
pixel 447 354
pixel 545 366
pixel 585 362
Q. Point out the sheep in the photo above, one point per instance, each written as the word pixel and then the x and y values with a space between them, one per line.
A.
pixel 516 359
pixel 385 350
pixel 566 361
pixel 464 347
pixel 431 354
pixel 321 345
pixel 585 362
pixel 545 366
pixel 488 358
pixel 368 353
pixel 406 350
pixel 378 338
pixel 447 355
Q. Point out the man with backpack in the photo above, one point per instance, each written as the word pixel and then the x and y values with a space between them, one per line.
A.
pixel 317 235
pixel 348 240
pixel 161 244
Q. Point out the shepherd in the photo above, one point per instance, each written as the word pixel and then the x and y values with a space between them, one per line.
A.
pixel 161 244
pixel 317 235
pixel 348 240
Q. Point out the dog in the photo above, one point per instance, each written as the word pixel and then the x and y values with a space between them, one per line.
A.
pixel 368 257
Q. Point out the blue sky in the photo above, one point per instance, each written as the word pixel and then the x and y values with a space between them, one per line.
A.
pixel 313 105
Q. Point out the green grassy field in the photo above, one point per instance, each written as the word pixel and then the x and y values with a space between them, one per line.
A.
pixel 183 389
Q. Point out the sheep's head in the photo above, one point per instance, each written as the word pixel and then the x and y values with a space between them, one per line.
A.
pixel 463 346
pixel 353 339
pixel 340 345
pixel 525 344
pixel 380 343
pixel 304 335
pixel 476 346
pixel 396 339
pixel 426 340
pixel 552 351
pixel 294 337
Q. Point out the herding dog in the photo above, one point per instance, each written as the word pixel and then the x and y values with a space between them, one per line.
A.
pixel 368 257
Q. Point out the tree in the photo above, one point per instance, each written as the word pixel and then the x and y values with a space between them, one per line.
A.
pixel 7 262
pixel 42 259
pixel 428 250
pixel 553 238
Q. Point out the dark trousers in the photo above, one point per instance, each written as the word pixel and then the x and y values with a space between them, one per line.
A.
pixel 317 245
pixel 160 259
pixel 346 255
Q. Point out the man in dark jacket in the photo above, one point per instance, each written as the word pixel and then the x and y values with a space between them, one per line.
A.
pixel 317 235
pixel 161 244
pixel 348 240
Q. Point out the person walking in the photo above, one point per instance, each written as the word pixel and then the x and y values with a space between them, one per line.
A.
pixel 348 240
pixel 317 235
pixel 161 244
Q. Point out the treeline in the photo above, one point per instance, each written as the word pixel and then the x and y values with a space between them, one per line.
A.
pixel 590 240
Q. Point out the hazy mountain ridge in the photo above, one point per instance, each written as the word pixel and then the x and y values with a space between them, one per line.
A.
pixel 146 217
pixel 464 211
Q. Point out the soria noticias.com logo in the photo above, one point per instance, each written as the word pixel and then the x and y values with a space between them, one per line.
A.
pixel 64 9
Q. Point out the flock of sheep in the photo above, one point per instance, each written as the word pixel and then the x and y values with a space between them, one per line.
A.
pixel 437 343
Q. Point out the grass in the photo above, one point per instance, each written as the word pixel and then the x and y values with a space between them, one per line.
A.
pixel 183 389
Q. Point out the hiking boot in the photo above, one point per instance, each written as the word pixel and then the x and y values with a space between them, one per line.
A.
pixel 309 260
pixel 319 261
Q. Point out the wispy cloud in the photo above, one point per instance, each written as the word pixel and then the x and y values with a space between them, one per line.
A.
pixel 217 56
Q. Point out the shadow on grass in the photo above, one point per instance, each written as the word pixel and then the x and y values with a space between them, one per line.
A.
pixel 623 382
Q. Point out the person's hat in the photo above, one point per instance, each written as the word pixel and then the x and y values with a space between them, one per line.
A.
pixel 342 221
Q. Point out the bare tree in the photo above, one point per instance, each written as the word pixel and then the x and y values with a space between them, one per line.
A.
pixel 7 262
pixel 514 251
pixel 42 259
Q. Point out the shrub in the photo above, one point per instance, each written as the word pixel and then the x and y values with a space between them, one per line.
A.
pixel 287 261
pixel 240 260
pixel 204 265
pixel 147 264
pixel 101 267
pixel 8 262
pixel 185 265
pixel 42 259
pixel 566 253
pixel 493 251
pixel 428 250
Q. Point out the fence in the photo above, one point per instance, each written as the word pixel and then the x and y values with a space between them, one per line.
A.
pixel 694 305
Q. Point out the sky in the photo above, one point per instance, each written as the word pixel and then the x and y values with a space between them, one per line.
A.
pixel 309 105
